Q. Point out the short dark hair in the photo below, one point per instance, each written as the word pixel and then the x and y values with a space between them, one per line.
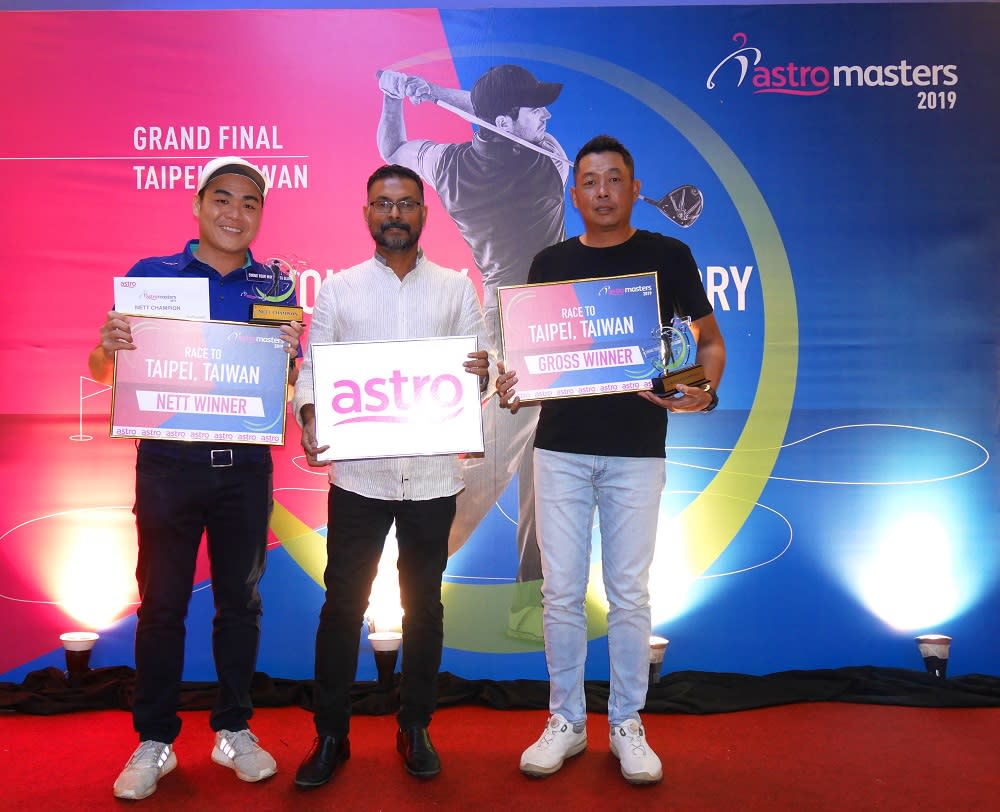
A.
pixel 396 171
pixel 604 143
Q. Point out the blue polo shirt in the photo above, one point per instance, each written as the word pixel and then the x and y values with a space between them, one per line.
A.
pixel 230 299
pixel 230 296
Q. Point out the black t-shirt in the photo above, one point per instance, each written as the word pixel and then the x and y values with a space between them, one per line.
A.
pixel 623 425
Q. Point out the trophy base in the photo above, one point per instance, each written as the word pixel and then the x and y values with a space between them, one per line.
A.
pixel 666 385
pixel 274 315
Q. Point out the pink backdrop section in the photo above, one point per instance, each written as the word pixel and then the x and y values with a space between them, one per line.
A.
pixel 57 497
pixel 80 220
pixel 74 152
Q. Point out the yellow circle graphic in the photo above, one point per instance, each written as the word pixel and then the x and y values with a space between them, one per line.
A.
pixel 709 523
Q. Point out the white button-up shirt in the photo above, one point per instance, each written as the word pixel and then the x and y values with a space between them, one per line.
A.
pixel 370 303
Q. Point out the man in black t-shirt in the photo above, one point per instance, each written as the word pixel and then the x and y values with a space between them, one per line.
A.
pixel 607 452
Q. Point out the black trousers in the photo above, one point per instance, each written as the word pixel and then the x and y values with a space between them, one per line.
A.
pixel 356 531
pixel 175 502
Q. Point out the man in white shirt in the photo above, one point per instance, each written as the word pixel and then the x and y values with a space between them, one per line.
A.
pixel 397 294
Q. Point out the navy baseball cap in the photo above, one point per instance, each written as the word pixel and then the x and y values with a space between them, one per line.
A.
pixel 504 87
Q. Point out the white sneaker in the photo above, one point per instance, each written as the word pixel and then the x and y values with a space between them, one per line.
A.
pixel 148 764
pixel 640 765
pixel 556 744
pixel 239 751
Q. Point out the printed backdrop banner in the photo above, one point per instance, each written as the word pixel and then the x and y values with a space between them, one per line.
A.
pixel 839 501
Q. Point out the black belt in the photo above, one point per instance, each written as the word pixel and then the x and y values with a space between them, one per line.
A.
pixel 205 453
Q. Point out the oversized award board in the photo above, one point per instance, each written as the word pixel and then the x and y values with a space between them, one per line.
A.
pixel 212 381
pixel 583 336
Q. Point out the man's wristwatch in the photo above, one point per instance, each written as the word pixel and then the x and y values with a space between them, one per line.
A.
pixel 715 397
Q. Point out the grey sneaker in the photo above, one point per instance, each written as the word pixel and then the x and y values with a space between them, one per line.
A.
pixel 239 751
pixel 639 764
pixel 148 764
pixel 557 743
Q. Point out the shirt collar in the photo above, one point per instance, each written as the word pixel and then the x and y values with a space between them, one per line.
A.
pixel 190 254
pixel 381 260
pixel 496 146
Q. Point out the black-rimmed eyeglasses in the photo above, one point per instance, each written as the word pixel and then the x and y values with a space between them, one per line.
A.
pixel 406 206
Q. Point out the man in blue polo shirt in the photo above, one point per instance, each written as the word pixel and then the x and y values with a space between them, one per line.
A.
pixel 186 489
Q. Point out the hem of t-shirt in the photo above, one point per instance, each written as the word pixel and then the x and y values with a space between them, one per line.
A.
pixel 650 453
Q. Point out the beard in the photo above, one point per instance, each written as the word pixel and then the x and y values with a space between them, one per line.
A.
pixel 396 242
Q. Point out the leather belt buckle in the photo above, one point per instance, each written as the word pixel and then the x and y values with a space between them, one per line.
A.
pixel 222 457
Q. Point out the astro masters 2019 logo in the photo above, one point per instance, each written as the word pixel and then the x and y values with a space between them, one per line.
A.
pixel 795 79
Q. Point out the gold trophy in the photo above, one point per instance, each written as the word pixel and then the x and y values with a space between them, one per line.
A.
pixel 679 350
pixel 271 314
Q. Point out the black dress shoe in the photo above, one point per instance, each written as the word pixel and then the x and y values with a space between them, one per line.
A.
pixel 418 753
pixel 317 768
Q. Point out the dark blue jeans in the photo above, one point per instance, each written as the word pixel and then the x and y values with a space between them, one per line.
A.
pixel 175 502
pixel 356 531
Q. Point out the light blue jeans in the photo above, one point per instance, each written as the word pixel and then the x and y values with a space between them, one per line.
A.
pixel 626 492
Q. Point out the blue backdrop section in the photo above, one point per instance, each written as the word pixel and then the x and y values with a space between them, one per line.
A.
pixel 883 201
pixel 886 211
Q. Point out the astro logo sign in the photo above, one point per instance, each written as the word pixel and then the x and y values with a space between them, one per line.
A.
pixel 398 398
pixel 795 79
